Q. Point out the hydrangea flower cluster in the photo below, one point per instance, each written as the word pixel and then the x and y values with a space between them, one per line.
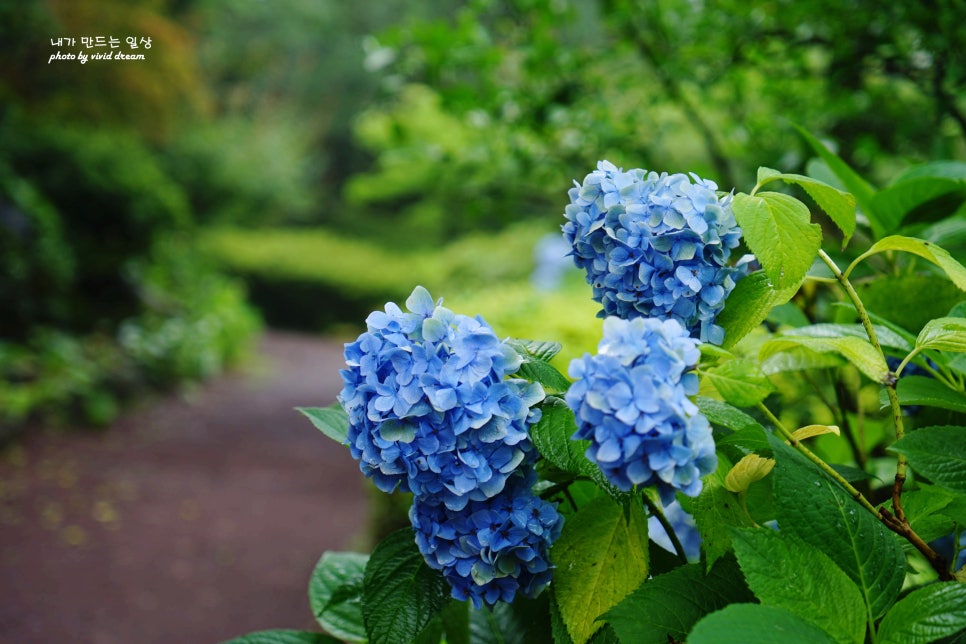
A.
pixel 655 245
pixel 632 401
pixel 491 549
pixel 432 411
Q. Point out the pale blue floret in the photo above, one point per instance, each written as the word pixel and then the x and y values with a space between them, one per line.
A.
pixel 632 401
pixel 655 245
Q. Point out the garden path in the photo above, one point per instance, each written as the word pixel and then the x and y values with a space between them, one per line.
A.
pixel 193 519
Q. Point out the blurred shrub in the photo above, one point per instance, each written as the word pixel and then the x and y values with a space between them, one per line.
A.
pixel 221 165
pixel 194 321
pixel 36 262
pixel 312 279
pixel 112 199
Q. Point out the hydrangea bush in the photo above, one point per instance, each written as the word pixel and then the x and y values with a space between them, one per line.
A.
pixel 715 472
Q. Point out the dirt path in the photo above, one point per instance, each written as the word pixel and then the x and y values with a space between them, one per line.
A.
pixel 193 519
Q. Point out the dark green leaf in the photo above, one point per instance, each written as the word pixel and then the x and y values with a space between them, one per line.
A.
pixel 331 420
pixel 895 203
pixel 401 594
pixel 536 370
pixel 886 336
pixel 335 594
pixel 756 624
pixel 283 636
pixel 525 621
pixel 938 453
pixel 752 299
pixel 789 574
pixel 818 511
pixel 856 350
pixel 669 605
pixel 740 382
pixel 920 390
pixel 725 415
pixel 926 615
pixel 777 229
pixel 908 300
pixel 600 558
pixel 551 436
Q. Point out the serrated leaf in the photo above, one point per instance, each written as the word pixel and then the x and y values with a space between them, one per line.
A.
pixel 756 624
pixel 752 299
pixel 740 382
pixel 857 351
pixel 669 605
pixel 335 594
pixel 725 415
pixel 789 574
pixel 809 431
pixel 551 436
pixel 283 636
pixel 331 420
pixel 600 558
pixel 716 510
pixel 540 349
pixel 778 231
pixel 537 370
pixel 401 594
pixel 925 249
pixel 524 621
pixel 943 334
pixel 926 615
pixel 939 453
pixel 815 509
pixel 749 469
pixel 838 205
pixel 920 390
pixel 861 189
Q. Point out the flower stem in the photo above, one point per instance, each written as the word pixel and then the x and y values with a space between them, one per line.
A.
pixel 656 510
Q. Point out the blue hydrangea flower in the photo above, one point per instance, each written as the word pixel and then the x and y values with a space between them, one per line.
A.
pixel 631 400
pixel 655 245
pixel 431 410
pixel 491 549
pixel 684 527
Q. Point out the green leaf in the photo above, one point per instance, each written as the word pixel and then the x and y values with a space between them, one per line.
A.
pixel 856 350
pixel 537 370
pixel 778 231
pixel 752 299
pixel 756 624
pixel 332 420
pixel 895 203
pixel 818 511
pixel 838 205
pixel 887 337
pixel 926 615
pixel 938 453
pixel 283 636
pixel 789 574
pixel 540 349
pixel 921 390
pixel 943 334
pixel 740 382
pixel 722 414
pixel 669 605
pixel 525 621
pixel 716 511
pixel 401 594
pixel 600 558
pixel 798 358
pixel 551 436
pixel 927 250
pixel 335 594
pixel 908 300
pixel 855 184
